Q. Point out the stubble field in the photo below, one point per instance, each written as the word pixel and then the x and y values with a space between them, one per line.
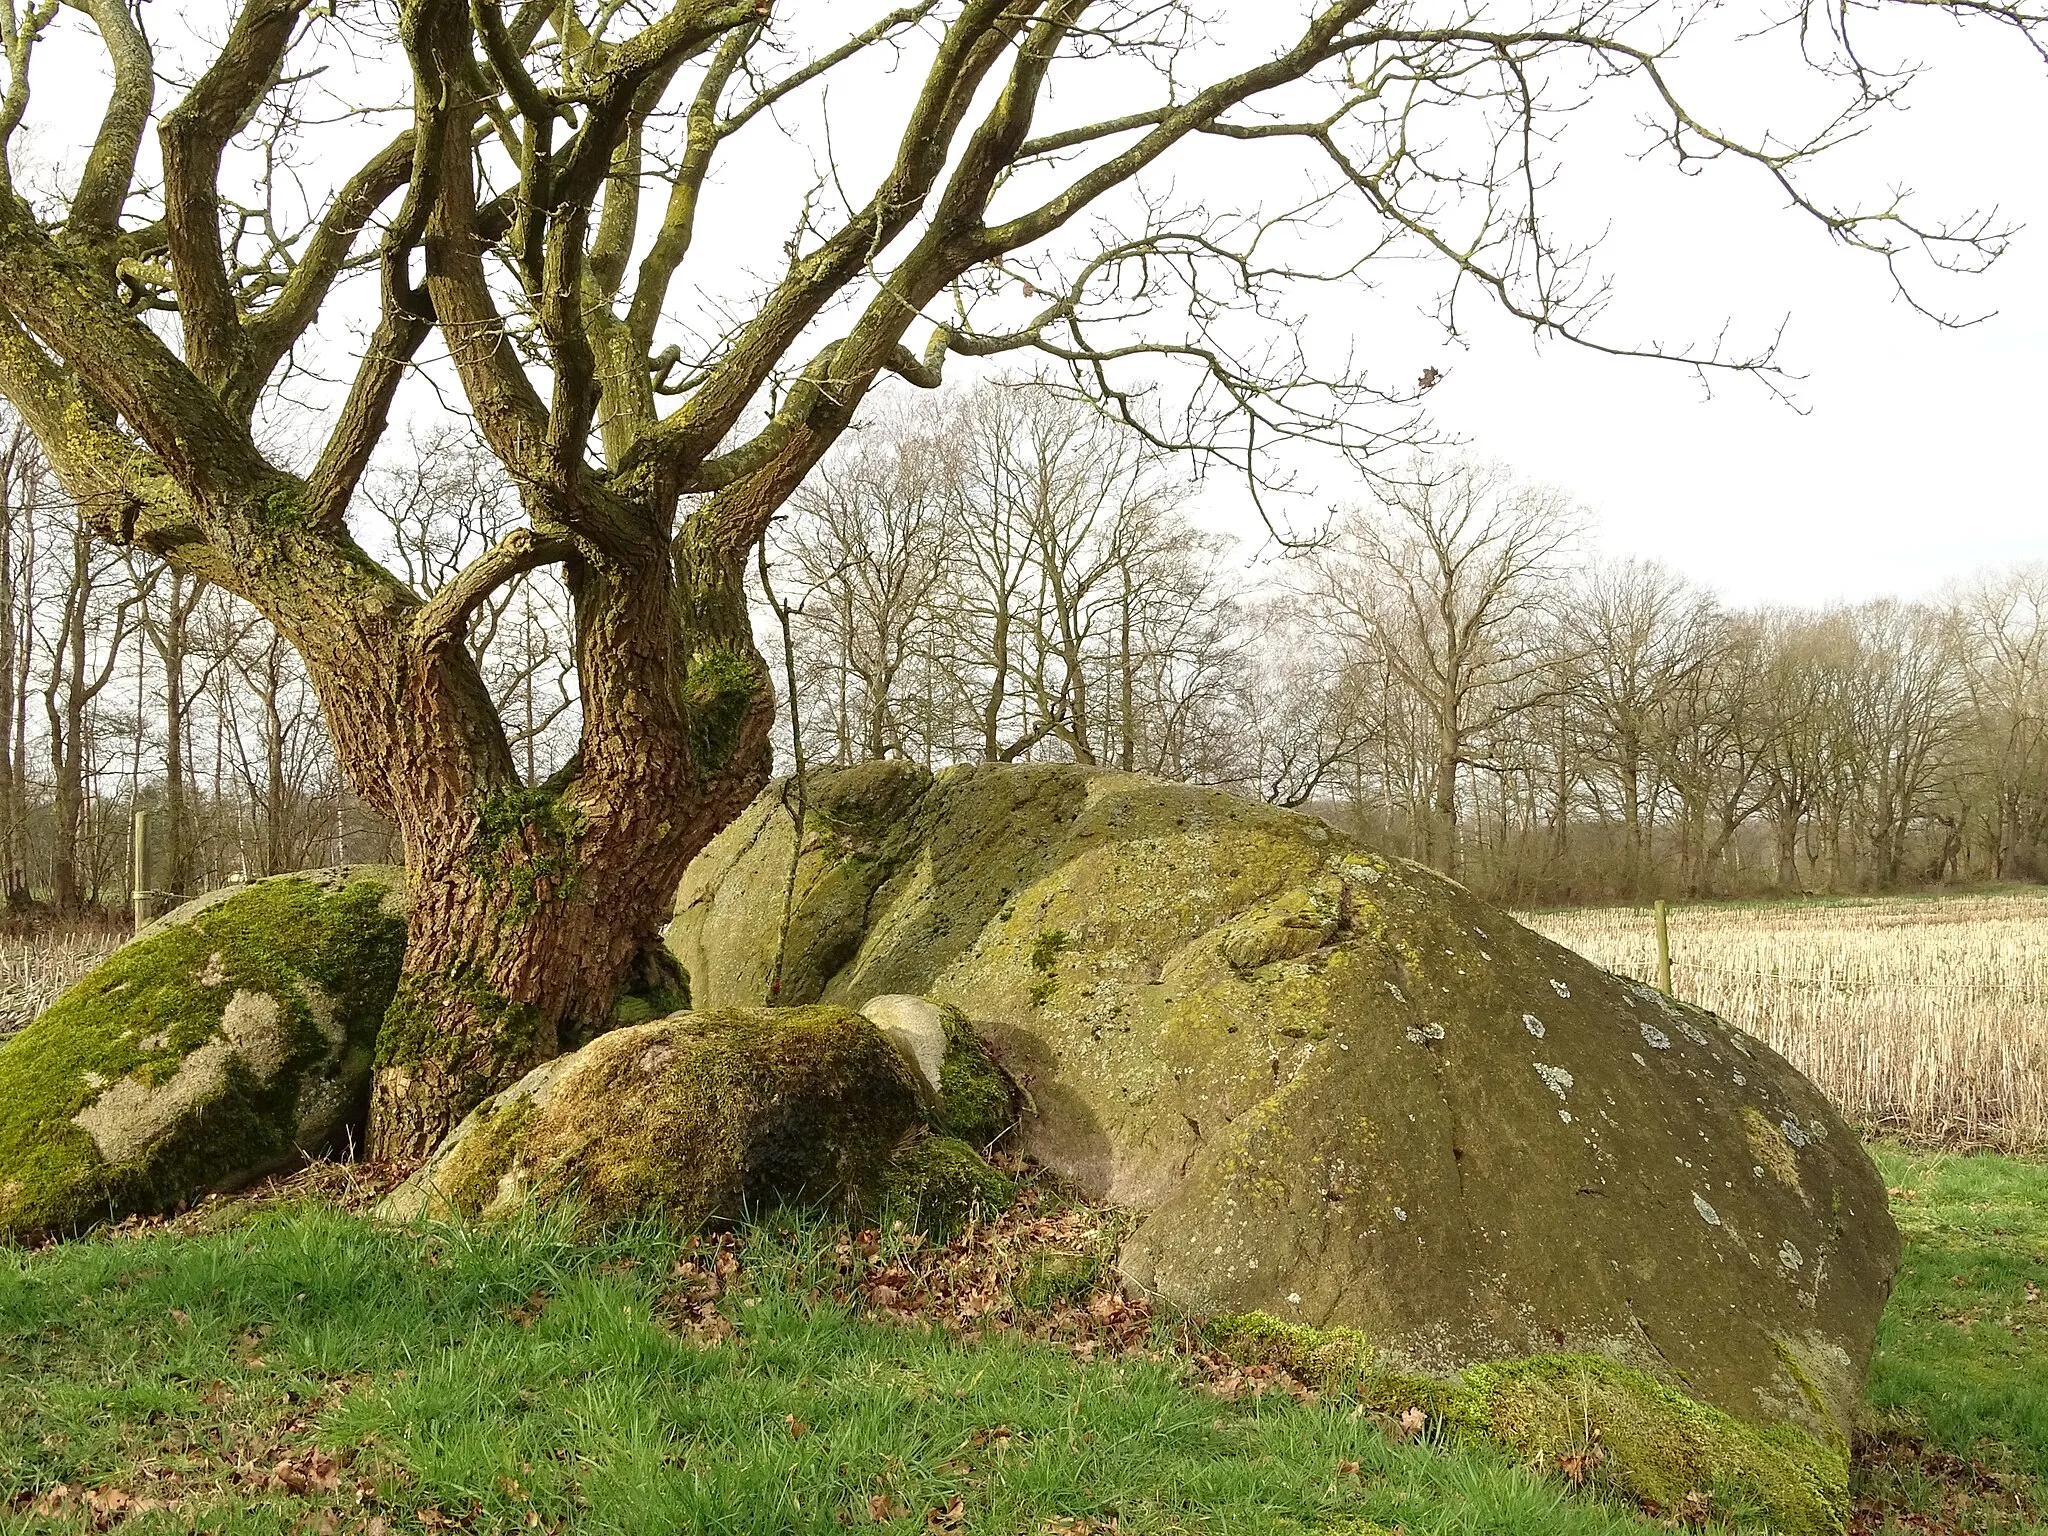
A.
pixel 1923 1017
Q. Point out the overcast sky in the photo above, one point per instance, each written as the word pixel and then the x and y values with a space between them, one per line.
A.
pixel 1921 454
pixel 1910 456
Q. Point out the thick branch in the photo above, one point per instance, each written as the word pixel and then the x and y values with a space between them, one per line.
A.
pixel 110 167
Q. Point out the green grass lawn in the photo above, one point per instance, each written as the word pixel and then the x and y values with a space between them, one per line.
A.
pixel 304 1370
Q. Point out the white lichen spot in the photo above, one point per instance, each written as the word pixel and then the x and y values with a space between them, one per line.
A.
pixel 1555 1077
pixel 1740 1080
pixel 1789 1256
pixel 1691 1032
pixel 1398 995
pixel 1639 1058
pixel 1708 1214
pixel 216 972
pixel 1433 1031
pixel 1294 1298
pixel 1533 1024
pixel 1424 1034
pixel 1792 1133
pixel 1654 1038
pixel 93 1080
pixel 1399 1214
pixel 1757 1169
pixel 1559 988
pixel 1479 930
pixel 1565 1115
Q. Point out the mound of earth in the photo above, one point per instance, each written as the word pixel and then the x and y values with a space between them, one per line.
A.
pixel 706 1115
pixel 1344 1092
pixel 226 1040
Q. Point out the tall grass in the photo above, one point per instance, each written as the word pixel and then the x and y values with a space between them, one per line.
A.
pixel 1925 1017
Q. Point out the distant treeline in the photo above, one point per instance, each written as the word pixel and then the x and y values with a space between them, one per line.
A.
pixel 1005 575
pixel 1442 668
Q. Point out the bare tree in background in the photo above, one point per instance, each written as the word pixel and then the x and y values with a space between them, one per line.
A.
pixel 1631 635
pixel 1439 579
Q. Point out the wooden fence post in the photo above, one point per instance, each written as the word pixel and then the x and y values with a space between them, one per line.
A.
pixel 1663 949
pixel 144 896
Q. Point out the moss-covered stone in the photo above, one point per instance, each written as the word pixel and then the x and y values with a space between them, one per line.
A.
pixel 977 1101
pixel 1597 1421
pixel 226 1039
pixel 1341 1090
pixel 699 1117
pixel 938 1184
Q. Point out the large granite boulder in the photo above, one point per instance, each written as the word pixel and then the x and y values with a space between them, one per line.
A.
pixel 1344 1091
pixel 224 1041
pixel 697 1117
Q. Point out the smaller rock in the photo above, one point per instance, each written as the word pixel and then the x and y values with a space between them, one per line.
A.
pixel 938 1184
pixel 698 1117
pixel 917 1028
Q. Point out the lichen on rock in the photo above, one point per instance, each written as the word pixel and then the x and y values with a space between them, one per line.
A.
pixel 225 1040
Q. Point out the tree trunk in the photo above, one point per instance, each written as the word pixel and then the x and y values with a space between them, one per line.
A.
pixel 533 908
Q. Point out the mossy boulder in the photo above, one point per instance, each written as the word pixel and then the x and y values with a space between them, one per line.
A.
pixel 1342 1090
pixel 938 1184
pixel 699 1117
pixel 226 1040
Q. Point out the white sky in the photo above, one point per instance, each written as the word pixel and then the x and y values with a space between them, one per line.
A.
pixel 1921 453
pixel 1916 455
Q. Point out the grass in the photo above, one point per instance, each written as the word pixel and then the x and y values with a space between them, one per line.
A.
pixel 1924 1018
pixel 308 1370
pixel 303 1369
pixel 1959 1386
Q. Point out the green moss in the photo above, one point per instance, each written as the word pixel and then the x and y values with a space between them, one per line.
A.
pixel 977 1101
pixel 1059 1279
pixel 1335 1359
pixel 526 846
pixel 501 1045
pixel 703 1117
pixel 144 1011
pixel 1625 1433
pixel 718 691
pixel 938 1184
pixel 1046 950
pixel 476 1168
